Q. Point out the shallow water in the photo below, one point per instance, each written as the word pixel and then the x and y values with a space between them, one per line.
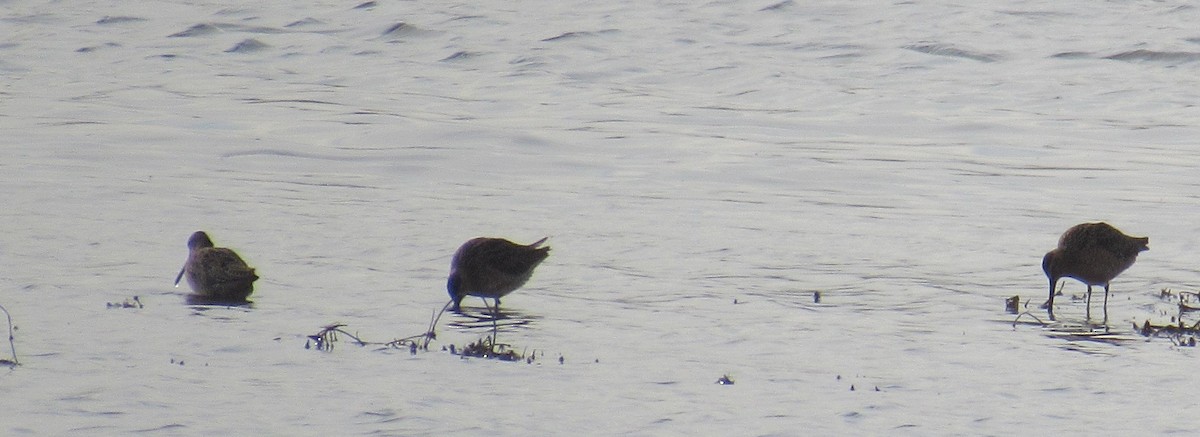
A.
pixel 701 171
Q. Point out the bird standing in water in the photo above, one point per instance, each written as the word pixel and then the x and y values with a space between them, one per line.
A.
pixel 1093 253
pixel 492 268
pixel 216 273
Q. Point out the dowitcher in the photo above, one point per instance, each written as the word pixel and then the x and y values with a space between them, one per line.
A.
pixel 216 273
pixel 1093 253
pixel 492 267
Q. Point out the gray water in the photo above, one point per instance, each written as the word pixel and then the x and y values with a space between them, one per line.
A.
pixel 701 169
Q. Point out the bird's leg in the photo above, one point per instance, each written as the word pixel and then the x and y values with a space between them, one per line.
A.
pixel 1105 304
pixel 485 304
pixel 1088 312
pixel 495 326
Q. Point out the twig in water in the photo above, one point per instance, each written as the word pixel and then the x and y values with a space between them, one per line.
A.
pixel 1180 334
pixel 432 333
pixel 11 345
pixel 329 335
pixel 421 341
pixel 1040 322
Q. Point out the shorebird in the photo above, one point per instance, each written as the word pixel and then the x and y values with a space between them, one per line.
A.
pixel 1093 253
pixel 216 273
pixel 492 267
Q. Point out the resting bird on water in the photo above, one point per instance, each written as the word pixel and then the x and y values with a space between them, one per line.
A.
pixel 216 273
pixel 492 267
pixel 1093 253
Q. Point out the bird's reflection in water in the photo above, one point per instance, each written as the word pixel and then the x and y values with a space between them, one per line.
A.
pixel 470 319
pixel 201 300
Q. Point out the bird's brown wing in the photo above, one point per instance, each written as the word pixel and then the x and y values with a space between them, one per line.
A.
pixel 224 265
pixel 1101 237
pixel 510 258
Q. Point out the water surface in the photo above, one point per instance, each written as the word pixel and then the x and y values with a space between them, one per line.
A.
pixel 701 170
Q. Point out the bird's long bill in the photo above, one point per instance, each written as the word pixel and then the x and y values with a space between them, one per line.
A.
pixel 180 276
pixel 1050 301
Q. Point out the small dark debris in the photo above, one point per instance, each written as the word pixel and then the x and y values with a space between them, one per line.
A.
pixel 1179 332
pixel 485 348
pixel 725 380
pixel 128 303
pixel 1012 304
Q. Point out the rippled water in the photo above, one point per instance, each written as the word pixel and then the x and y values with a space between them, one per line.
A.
pixel 701 170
